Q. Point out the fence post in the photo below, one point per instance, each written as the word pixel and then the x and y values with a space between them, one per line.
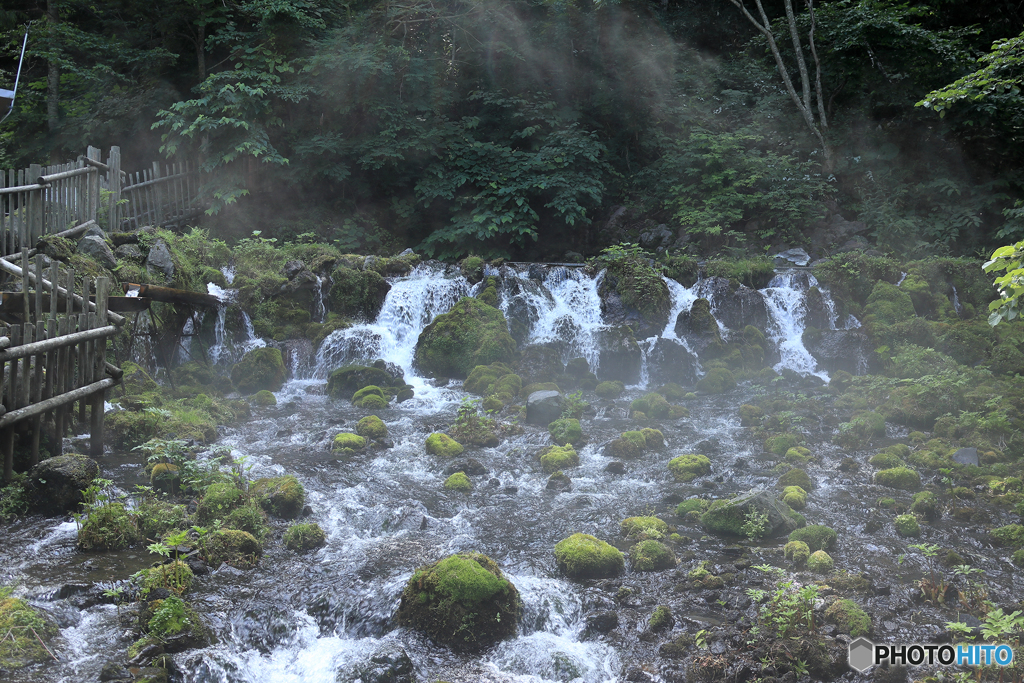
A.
pixel 98 364
pixel 114 183
pixel 93 153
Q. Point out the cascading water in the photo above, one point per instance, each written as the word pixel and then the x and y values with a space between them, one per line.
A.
pixel 786 301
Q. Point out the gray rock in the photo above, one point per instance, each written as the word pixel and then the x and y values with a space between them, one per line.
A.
pixel 95 231
pixel 603 622
pixel 619 356
pixel 967 456
pixel 58 482
pixel 293 268
pixel 160 260
pixel 130 252
pixel 543 407
pixel 779 523
pixel 835 350
pixel 669 361
pixel 559 481
pixel 658 236
pixel 408 252
pixel 797 256
pixel 539 363
pixel 388 665
pixel 471 467
pixel 369 262
pixel 94 247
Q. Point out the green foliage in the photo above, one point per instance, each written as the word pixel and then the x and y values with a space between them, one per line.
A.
pixel 300 537
pixel 816 536
pixel 755 524
pixel 849 617
pixel 566 431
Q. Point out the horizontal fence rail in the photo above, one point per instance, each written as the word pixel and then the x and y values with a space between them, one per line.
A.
pixel 161 196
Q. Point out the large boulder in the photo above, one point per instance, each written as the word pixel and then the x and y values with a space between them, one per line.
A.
pixel 619 357
pixel 699 328
pixel 346 381
pixel 160 260
pixel 634 293
pixel 259 369
pixel 543 407
pixel 462 601
pixel 357 293
pixel 835 350
pixel 669 361
pixel 57 483
pixel 470 334
pixel 539 363
pixel 96 248
pixel 735 308
pixel 728 516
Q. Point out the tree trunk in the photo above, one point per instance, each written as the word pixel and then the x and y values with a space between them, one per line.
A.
pixel 201 53
pixel 53 84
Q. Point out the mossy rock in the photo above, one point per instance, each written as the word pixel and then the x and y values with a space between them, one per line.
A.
pixel 798 456
pixel 582 556
pixel 1018 558
pixel 259 369
pixel 155 518
pixel 554 458
pixel 653 438
pixel 692 505
pixel 779 444
pixel 860 430
pixel 240 549
pixel 346 442
pixel 849 617
pixel 108 527
pixel 372 427
pixel 750 416
pixel 175 576
pixel 652 405
pixel 796 552
pixel 128 429
pixel 302 537
pixel 538 386
pixel 820 562
pixel 629 445
pixel 906 525
pixel 886 461
pixel 795 497
pixel 458 482
pixel 611 389
pixel 264 399
pixel 795 477
pixel 888 305
pixel 283 497
pixel 642 528
pixel 816 536
pixel 357 293
pixel 717 381
pixel 651 556
pixel 902 478
pixel 483 379
pixel 218 500
pixel 27 633
pixel 1011 535
pixel 442 445
pixel 194 374
pixel 165 477
pixel 371 402
pixel 566 431
pixel 462 601
pixel 689 466
pixel 729 515
pixel 470 334
pixel 346 381
pixel 926 505
pixel 137 381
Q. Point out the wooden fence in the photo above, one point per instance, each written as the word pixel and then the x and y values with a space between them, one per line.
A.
pixel 161 196
pixel 56 358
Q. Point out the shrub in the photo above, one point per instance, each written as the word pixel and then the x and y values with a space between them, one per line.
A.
pixel 566 431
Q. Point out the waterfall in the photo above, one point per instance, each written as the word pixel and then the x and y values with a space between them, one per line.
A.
pixel 786 300
pixel 957 306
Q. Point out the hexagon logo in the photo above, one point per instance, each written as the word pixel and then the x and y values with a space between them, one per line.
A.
pixel 862 655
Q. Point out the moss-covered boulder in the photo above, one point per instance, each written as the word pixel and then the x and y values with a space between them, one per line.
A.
pixel 108 527
pixel 301 537
pixel 346 442
pixel 165 477
pixel 582 556
pixel 689 466
pixel 57 483
pixel 727 516
pixel 486 380
pixel 926 505
pixel 155 517
pixel 849 617
pixel 906 525
pixel 240 549
pixel 175 576
pixel 357 293
pixel 264 399
pixel 820 562
pixel 462 601
pixel 127 429
pixel 458 482
pixel 259 369
pixel 283 497
pixel 796 552
pixel 643 528
pixel 816 536
pixel 1011 535
pixel 470 334
pixel 566 430
pixel 717 381
pixel 27 633
pixel 555 458
pixel 651 556
pixel 652 405
pixel 887 305
pixel 218 500
pixel 902 478
pixel 653 438
pixel 795 497
pixel 442 445
pixel 372 427
pixel 344 382
pixel 795 477
pixel 750 416
pixel 612 389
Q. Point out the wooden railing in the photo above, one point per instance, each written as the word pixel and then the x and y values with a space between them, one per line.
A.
pixel 167 196
pixel 54 359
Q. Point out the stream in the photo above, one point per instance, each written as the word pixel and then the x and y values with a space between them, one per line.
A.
pixel 316 617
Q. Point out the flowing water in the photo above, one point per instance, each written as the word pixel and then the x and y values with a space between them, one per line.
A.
pixel 315 618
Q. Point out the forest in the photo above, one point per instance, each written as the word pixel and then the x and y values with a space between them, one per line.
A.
pixel 517 128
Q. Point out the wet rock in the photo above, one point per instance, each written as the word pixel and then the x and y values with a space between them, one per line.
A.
pixel 559 481
pixel 470 334
pixel 293 268
pixel 113 671
pixel 494 482
pixel 129 252
pixel 839 350
pixel 58 482
pixel 539 363
pixel 160 260
pixel 669 361
pixel 391 665
pixel 619 356
pixel 543 407
pixel 470 466
pixel 967 456
pixel 796 257
pixel 96 248
pixel 736 308
pixel 603 622
pixel 728 516
pixel 615 467
pixel 657 237
pixel 150 674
